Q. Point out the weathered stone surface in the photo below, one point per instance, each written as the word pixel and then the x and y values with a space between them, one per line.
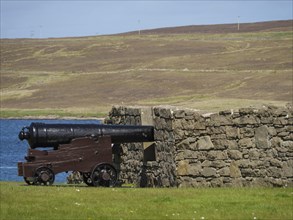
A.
pixel 234 170
pixel 247 120
pixel 276 163
pixel 224 171
pixel 246 143
pixel 274 172
pixel 194 170
pixel 226 112
pixel 188 143
pixel 232 132
pixel 287 169
pixel 234 154
pixel 209 172
pixel 165 113
pixel 218 120
pixel 179 113
pixel 182 168
pixel 200 125
pixel 254 154
pixel 288 145
pixel 217 182
pixel 246 132
pixel 204 143
pixel 217 155
pixel 261 137
pixel 218 163
pixel 221 144
pixel 252 147
pixel 246 111
pixel 187 124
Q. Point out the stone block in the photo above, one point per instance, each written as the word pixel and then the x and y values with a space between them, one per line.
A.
pixel 209 172
pixel 232 132
pixel 179 134
pixel 246 132
pixel 166 113
pixel 187 124
pixel 275 162
pixel 217 155
pixel 221 144
pixel 262 137
pixel 194 170
pixel 225 171
pixel 218 164
pixel 226 112
pixel 246 111
pixel 206 163
pixel 234 154
pixel 288 145
pixel 217 182
pixel 254 154
pixel 216 130
pixel 234 170
pixel 279 122
pixel 200 125
pixel 287 170
pixel 190 154
pixel 247 120
pixel 274 172
pixel 220 120
pixel 205 143
pixel 182 168
pixel 179 114
pixel 276 142
pixel 183 145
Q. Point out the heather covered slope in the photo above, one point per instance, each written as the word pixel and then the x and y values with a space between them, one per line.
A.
pixel 208 70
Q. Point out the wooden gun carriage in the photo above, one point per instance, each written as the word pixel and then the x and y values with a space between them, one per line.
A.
pixel 86 148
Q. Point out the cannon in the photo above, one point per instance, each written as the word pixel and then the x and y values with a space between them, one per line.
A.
pixel 86 148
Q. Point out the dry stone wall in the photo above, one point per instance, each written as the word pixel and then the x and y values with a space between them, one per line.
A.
pixel 248 147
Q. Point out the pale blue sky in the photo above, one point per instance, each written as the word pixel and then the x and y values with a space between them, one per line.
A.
pixel 52 18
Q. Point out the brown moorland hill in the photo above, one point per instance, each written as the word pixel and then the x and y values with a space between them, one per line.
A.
pixel 205 70
pixel 282 25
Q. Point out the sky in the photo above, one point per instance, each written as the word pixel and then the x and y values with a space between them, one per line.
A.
pixel 72 18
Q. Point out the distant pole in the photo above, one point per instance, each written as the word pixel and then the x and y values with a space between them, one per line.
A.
pixel 238 23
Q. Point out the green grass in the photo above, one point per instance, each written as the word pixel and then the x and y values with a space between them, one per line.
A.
pixel 51 113
pixel 19 201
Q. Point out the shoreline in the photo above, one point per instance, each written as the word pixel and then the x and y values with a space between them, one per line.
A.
pixel 52 118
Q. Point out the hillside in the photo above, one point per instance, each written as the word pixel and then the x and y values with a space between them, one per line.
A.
pixel 210 69
pixel 223 28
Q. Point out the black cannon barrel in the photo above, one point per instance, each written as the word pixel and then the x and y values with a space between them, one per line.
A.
pixel 51 135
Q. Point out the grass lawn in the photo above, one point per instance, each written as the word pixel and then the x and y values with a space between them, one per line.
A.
pixel 19 201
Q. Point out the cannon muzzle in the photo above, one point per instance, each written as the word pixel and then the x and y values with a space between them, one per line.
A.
pixel 24 134
pixel 52 135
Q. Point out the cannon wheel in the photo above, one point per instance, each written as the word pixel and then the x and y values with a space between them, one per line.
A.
pixel 30 180
pixel 104 175
pixel 44 176
pixel 87 179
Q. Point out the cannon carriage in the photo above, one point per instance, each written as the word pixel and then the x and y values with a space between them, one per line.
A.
pixel 86 148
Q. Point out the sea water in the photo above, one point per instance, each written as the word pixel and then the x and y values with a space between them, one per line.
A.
pixel 13 150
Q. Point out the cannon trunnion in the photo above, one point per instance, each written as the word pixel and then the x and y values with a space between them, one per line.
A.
pixel 76 147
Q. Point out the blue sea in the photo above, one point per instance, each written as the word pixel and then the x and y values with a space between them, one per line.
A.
pixel 12 150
